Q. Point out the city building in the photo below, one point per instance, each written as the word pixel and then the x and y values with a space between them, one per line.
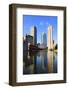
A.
pixel 44 40
pixel 27 41
pixel 38 45
pixel 50 37
pixel 33 32
pixel 25 45
pixel 29 38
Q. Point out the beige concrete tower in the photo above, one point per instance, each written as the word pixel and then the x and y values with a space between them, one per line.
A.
pixel 50 37
pixel 33 32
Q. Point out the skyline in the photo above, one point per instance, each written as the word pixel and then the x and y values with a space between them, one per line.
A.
pixel 42 23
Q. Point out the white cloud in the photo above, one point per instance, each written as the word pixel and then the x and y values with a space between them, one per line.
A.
pixel 47 23
pixel 41 23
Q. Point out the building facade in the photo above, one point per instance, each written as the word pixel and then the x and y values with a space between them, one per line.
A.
pixel 33 32
pixel 29 38
pixel 50 37
pixel 44 40
pixel 25 45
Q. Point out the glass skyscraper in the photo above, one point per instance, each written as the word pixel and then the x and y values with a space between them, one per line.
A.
pixel 44 40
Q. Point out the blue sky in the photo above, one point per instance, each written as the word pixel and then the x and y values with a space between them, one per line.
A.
pixel 41 22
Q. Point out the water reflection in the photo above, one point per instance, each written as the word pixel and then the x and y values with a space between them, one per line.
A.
pixel 39 62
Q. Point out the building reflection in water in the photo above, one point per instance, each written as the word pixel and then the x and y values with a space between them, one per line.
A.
pixel 39 62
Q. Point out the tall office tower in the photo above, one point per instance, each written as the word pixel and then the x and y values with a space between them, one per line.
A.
pixel 50 37
pixel 44 40
pixel 33 32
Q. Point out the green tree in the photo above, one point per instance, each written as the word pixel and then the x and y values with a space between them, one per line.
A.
pixel 56 46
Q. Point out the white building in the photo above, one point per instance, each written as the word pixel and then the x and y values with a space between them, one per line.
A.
pixel 33 32
pixel 50 37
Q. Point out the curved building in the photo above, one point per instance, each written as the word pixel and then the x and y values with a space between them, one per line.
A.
pixel 50 37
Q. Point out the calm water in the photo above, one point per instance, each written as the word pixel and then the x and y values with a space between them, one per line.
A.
pixel 39 62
